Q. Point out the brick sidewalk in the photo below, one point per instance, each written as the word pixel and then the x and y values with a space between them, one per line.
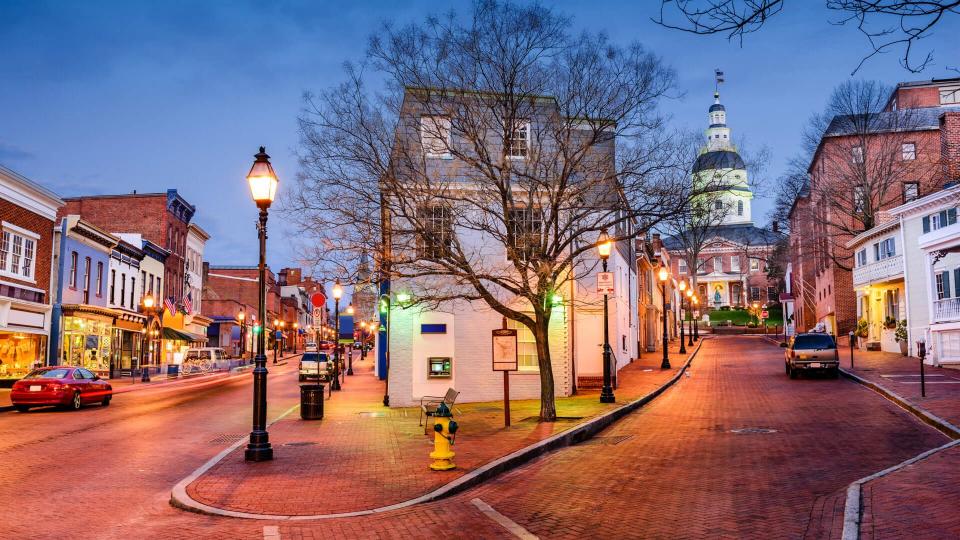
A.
pixel 917 501
pixel 364 456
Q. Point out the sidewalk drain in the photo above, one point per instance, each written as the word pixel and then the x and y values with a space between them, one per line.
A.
pixel 226 438
pixel 608 441
pixel 751 430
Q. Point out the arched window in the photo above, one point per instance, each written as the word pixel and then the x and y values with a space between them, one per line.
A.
pixel 739 208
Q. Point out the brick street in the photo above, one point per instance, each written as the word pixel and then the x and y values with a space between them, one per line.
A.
pixel 676 468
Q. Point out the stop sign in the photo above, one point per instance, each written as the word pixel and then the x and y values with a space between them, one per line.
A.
pixel 318 299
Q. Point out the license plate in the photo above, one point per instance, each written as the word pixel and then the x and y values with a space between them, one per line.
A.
pixel 814 364
pixel 35 388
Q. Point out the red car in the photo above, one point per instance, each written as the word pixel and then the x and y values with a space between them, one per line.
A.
pixel 60 385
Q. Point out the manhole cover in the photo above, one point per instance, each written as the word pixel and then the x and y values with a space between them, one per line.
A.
pixel 225 438
pixel 302 443
pixel 611 440
pixel 751 430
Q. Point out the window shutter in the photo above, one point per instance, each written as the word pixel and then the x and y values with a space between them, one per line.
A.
pixel 956 282
pixel 926 224
pixel 946 284
pixel 951 216
pixel 943 218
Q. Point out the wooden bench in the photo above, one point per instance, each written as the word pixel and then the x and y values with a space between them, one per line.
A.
pixel 429 404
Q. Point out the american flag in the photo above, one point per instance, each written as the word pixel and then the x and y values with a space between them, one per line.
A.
pixel 719 75
pixel 168 303
pixel 188 303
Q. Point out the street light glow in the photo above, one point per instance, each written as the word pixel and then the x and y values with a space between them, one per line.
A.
pixel 663 274
pixel 263 180
pixel 604 245
pixel 337 290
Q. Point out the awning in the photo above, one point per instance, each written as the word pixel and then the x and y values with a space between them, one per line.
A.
pixel 180 335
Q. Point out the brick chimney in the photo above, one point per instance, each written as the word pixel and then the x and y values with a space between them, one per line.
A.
pixel 950 146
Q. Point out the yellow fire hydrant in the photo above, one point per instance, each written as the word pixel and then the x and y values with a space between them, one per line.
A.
pixel 445 431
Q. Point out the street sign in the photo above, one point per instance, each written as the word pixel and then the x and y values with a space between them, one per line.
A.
pixel 317 313
pixel 504 349
pixel 605 283
pixel 764 314
pixel 318 299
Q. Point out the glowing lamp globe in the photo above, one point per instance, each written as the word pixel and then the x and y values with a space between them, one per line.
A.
pixel 262 179
pixel 604 245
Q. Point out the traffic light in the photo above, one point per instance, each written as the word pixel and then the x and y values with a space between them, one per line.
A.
pixel 384 304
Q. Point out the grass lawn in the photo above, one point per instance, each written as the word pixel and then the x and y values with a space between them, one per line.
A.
pixel 741 317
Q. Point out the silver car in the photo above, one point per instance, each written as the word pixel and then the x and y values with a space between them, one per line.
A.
pixel 812 351
pixel 315 365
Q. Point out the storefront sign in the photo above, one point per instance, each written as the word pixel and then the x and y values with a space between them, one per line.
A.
pixel 605 283
pixel 504 349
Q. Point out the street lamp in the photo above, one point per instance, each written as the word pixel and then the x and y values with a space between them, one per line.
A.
pixel 683 290
pixel 350 354
pixel 241 316
pixel 149 304
pixel 283 336
pixel 263 187
pixel 296 335
pixel 337 294
pixel 690 307
pixel 604 248
pixel 696 320
pixel 276 342
pixel 664 275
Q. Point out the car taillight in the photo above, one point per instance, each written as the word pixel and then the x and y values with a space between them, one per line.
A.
pixel 55 387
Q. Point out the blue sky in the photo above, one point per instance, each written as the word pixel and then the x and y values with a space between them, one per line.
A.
pixel 108 97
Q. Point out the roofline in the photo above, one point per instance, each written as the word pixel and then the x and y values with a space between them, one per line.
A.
pixel 52 198
pixel 120 196
pixel 199 230
pixel 872 232
pixel 923 201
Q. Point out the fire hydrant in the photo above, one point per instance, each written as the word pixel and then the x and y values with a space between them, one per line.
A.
pixel 445 431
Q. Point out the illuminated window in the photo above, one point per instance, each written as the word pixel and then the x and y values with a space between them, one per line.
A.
pixel 526 347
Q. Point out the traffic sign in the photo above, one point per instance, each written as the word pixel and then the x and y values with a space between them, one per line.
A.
pixel 317 313
pixel 318 299
pixel 605 282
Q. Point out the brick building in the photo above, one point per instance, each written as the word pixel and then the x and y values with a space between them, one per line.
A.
pixel 230 289
pixel 914 142
pixel 162 218
pixel 27 216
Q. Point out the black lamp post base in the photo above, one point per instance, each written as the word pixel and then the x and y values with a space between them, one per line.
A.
pixel 350 370
pixel 606 395
pixel 258 449
pixel 665 364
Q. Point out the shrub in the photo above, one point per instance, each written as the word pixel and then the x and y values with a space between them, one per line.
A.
pixel 890 323
pixel 724 308
pixel 863 328
pixel 901 333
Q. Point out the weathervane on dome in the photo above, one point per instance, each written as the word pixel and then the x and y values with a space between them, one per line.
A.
pixel 719 76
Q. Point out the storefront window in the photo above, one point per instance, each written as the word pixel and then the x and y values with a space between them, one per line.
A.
pixel 19 353
pixel 87 343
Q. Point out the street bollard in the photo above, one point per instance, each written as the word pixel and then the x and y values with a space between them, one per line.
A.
pixel 922 352
pixel 853 341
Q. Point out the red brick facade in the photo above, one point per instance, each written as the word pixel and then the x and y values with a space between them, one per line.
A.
pixel 162 218
pixel 239 284
pixel 950 145
pixel 26 219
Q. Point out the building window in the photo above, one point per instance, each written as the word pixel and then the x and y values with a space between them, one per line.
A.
pixel 143 283
pixel 17 252
pixel 133 291
pixel 518 144
pixel 437 237
pixel 884 249
pixel 99 279
pixel 754 265
pixel 949 96
pixel 859 199
pixel 702 291
pixel 862 257
pixel 754 294
pixel 86 279
pixel 735 263
pixel 856 154
pixel 771 294
pixel 943 285
pixel 908 151
pixel 892 303
pixel 718 264
pixel 527 226
pixel 939 220
pixel 73 269
pixel 113 285
pixel 526 347
pixel 123 289
pixel 159 283
pixel 911 191
pixel 739 208
pixel 435 136
pixel 682 266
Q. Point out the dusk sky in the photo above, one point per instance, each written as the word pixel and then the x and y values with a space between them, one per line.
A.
pixel 108 97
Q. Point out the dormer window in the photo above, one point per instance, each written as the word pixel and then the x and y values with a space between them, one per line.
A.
pixel 518 145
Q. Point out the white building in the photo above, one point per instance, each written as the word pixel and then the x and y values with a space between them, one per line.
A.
pixel 193 265
pixel 878 279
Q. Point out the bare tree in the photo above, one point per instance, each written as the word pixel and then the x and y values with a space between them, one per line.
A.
pixel 887 24
pixel 479 159
pixel 863 155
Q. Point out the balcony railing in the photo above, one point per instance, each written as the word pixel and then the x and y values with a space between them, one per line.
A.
pixel 884 270
pixel 947 309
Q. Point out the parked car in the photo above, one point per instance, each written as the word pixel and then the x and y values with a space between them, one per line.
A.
pixel 310 346
pixel 812 351
pixel 309 368
pixel 326 345
pixel 65 386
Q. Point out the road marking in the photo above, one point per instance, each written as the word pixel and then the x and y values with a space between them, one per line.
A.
pixel 271 532
pixel 928 382
pixel 910 375
pixel 515 528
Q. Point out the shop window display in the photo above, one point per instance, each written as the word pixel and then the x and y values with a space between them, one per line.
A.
pixel 20 353
pixel 86 343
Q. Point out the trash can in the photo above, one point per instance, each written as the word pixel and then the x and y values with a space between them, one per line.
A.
pixel 311 402
pixel 173 370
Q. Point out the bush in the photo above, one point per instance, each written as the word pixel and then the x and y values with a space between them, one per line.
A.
pixel 724 308
pixel 901 333
pixel 863 329
pixel 751 325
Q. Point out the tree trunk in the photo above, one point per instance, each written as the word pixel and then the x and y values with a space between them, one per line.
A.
pixel 548 406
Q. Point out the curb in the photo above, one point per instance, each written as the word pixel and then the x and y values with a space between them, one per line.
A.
pixel 180 499
pixel 853 507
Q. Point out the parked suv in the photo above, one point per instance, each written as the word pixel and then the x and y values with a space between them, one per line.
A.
pixel 315 365
pixel 812 351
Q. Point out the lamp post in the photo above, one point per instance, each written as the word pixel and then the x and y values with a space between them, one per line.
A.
pixel 696 319
pixel 283 336
pixel 148 307
pixel 296 336
pixel 604 248
pixel 664 275
pixel 683 290
pixel 241 318
pixel 690 307
pixel 350 354
pixel 337 294
pixel 276 342
pixel 263 187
